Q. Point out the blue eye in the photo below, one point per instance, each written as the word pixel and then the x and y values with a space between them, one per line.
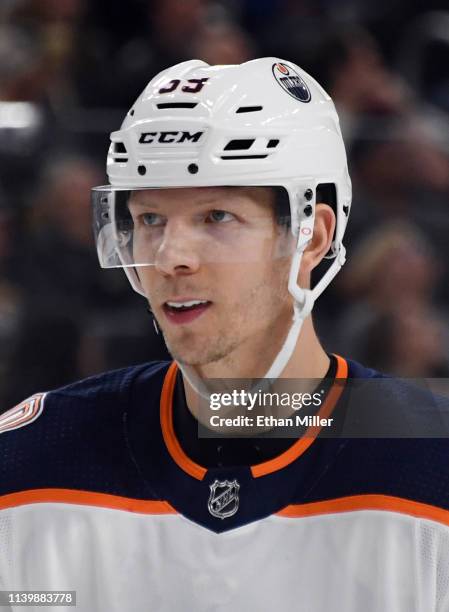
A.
pixel 151 219
pixel 220 216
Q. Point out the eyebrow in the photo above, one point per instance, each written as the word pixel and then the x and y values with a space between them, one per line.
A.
pixel 133 202
pixel 149 203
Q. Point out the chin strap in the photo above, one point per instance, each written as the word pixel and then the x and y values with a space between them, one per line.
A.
pixel 283 357
pixel 302 305
pixel 304 300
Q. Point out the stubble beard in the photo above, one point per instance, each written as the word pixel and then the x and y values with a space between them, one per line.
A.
pixel 199 348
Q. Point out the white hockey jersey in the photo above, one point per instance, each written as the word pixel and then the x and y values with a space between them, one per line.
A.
pixel 98 496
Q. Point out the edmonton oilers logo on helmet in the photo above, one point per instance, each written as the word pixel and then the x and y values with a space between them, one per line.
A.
pixel 291 82
pixel 223 498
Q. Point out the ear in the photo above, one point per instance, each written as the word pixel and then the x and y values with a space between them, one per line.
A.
pixel 323 232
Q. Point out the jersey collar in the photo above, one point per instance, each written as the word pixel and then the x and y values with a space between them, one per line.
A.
pixel 262 469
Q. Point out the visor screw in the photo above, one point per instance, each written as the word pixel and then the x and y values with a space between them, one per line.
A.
pixel 141 170
pixel 131 112
pixel 192 168
pixel 308 194
pixel 308 210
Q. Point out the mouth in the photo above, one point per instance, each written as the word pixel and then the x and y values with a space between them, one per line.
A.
pixel 185 310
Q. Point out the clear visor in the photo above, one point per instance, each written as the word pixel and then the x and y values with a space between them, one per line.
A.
pixel 211 224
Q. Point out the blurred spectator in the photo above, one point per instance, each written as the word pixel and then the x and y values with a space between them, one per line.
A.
pixel 53 347
pixel 394 146
pixel 64 198
pixel 44 354
pixel 409 343
pixel 392 273
pixel 175 23
pixel 22 73
pixel 223 43
pixel 10 303
pixel 176 30
pixel 348 61
pixel 10 290
pixel 423 56
pixel 75 54
pixel 60 264
pixel 22 86
pixel 398 154
pixel 9 239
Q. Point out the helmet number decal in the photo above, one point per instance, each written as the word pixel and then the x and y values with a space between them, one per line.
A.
pixel 291 82
pixel 171 86
pixel 196 85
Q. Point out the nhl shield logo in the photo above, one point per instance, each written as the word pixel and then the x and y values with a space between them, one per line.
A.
pixel 224 498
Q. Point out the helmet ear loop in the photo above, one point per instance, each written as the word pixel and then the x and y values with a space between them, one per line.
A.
pixel 303 298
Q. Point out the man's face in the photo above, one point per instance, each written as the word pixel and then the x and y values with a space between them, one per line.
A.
pixel 220 252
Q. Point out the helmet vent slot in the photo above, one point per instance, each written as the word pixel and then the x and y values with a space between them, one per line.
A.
pixel 119 152
pixel 119 148
pixel 273 143
pixel 164 105
pixel 244 156
pixel 239 145
pixel 249 109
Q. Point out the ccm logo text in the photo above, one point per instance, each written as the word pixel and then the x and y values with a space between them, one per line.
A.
pixel 169 137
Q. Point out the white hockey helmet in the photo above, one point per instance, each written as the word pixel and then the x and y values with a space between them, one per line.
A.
pixel 262 123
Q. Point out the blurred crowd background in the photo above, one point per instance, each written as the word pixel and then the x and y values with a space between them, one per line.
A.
pixel 70 70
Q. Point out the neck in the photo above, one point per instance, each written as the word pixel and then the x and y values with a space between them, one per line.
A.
pixel 308 361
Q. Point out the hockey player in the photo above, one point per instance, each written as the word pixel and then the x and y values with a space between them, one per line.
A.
pixel 228 186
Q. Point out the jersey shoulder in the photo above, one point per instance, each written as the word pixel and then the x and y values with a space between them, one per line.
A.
pixel 73 437
pixel 381 405
pixel 394 441
pixel 100 390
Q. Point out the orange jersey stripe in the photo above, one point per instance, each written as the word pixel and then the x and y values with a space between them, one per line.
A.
pixel 356 503
pixel 85 498
pixel 304 442
pixel 168 432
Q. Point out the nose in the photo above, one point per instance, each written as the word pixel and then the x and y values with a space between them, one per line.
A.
pixel 179 250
